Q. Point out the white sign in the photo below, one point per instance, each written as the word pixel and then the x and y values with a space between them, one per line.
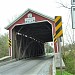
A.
pixel 73 2
pixel 30 19
pixel 73 16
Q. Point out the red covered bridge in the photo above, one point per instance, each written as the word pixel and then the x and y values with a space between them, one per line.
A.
pixel 29 32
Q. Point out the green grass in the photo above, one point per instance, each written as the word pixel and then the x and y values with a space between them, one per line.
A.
pixel 63 73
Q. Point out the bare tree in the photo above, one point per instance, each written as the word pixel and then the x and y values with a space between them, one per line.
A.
pixel 62 5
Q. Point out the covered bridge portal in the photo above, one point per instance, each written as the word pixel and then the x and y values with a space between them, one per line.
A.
pixel 28 33
pixel 28 39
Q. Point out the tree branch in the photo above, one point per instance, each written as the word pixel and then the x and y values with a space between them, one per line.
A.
pixel 62 5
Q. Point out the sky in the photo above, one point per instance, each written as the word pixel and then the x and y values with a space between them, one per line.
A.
pixel 10 9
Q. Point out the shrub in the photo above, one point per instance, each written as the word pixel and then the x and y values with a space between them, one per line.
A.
pixel 69 60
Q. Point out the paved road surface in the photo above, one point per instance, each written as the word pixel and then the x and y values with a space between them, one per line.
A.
pixel 37 66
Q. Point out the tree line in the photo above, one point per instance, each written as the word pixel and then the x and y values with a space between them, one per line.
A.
pixel 4 47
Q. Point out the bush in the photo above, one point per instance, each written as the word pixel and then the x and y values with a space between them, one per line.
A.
pixel 63 73
pixel 69 60
pixel 4 51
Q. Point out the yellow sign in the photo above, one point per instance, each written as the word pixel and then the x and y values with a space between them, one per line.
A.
pixel 9 42
pixel 58 26
pixel 55 39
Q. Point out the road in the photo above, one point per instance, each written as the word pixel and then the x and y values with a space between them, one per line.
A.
pixel 38 66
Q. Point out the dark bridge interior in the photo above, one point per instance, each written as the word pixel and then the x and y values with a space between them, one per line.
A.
pixel 29 39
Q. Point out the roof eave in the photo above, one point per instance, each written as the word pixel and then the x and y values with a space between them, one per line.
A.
pixel 7 27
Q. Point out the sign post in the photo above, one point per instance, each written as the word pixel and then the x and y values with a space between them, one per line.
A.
pixel 59 33
pixel 73 18
pixel 59 47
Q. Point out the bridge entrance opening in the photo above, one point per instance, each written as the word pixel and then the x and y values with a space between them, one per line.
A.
pixel 28 39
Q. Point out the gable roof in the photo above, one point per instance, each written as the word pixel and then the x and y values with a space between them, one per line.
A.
pixel 26 13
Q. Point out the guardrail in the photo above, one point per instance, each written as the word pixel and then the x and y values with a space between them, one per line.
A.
pixel 6 60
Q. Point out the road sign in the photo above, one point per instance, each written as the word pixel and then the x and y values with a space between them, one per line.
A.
pixel 58 26
pixel 9 42
pixel 59 33
pixel 73 16
pixel 73 2
pixel 55 39
pixel 29 19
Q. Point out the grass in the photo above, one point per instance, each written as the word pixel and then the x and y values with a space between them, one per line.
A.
pixel 63 73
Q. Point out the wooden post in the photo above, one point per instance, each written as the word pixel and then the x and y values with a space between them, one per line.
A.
pixel 16 47
pixel 51 71
pixel 20 48
pixel 59 47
